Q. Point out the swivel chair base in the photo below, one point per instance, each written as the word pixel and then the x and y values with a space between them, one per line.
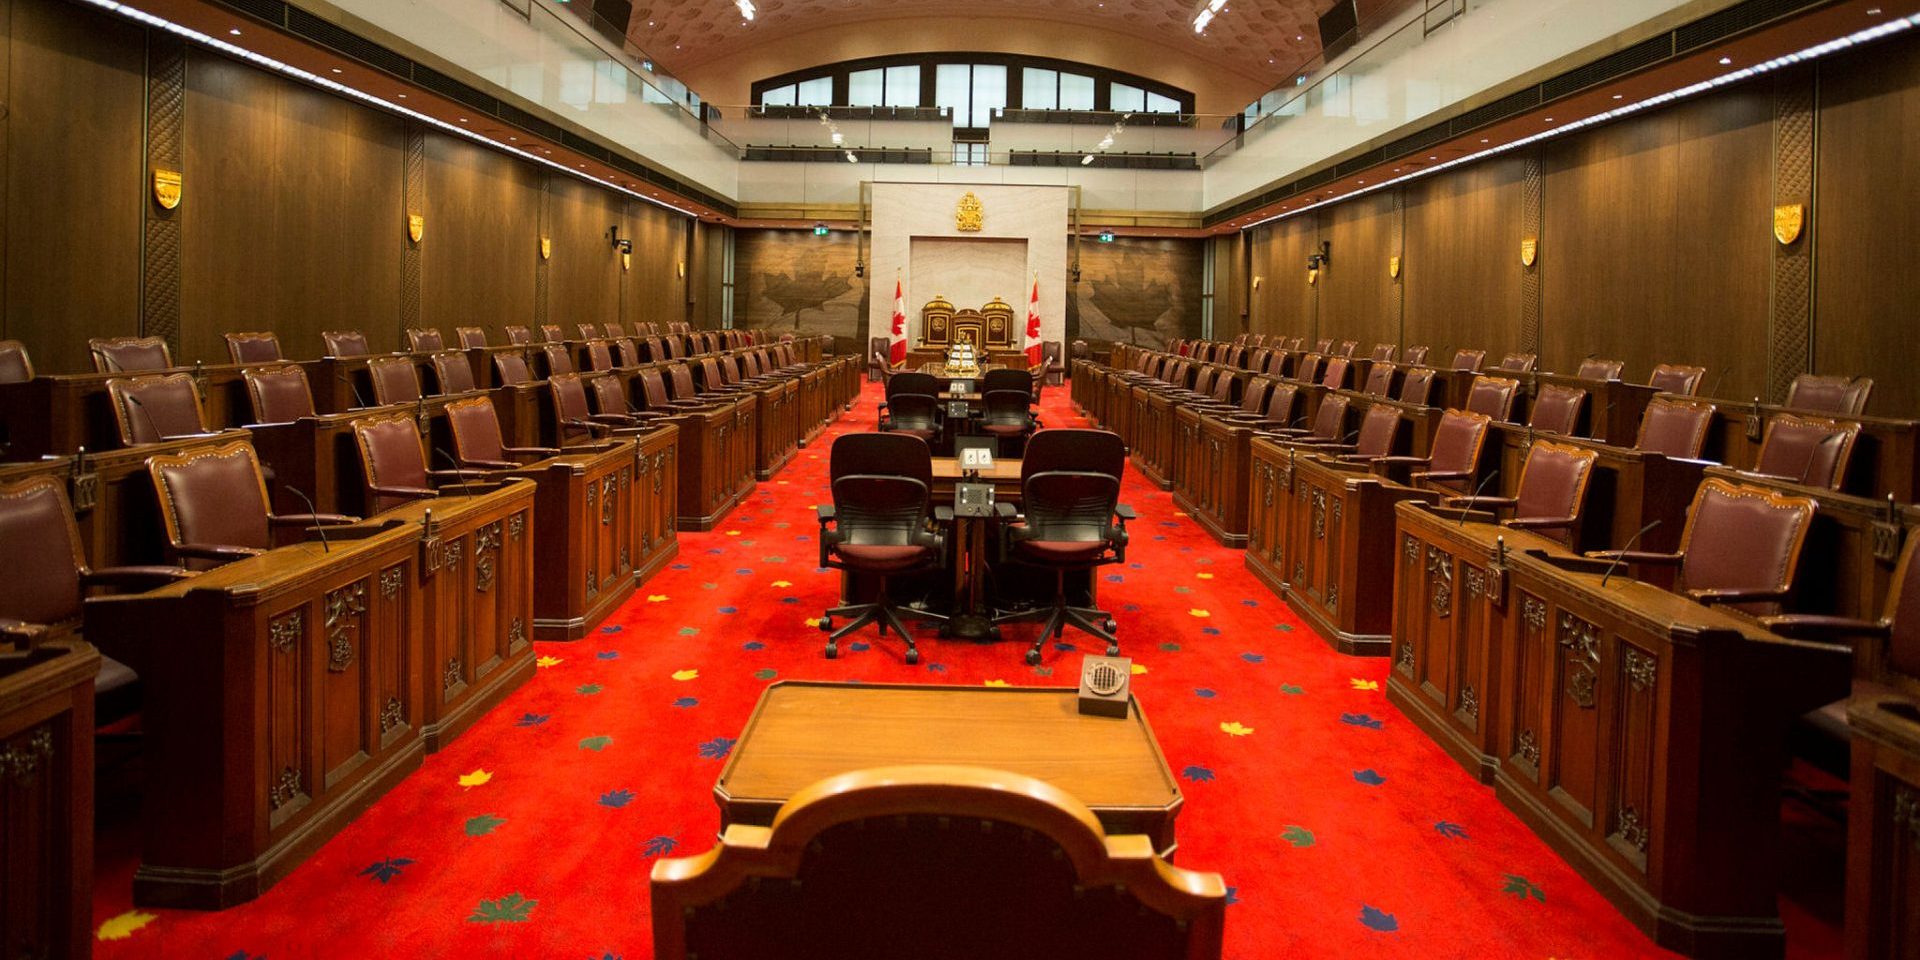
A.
pixel 883 613
pixel 1059 616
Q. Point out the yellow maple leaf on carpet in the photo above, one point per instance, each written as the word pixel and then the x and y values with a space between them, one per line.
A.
pixel 1139 668
pixel 813 622
pixel 1359 684
pixel 783 584
pixel 1235 729
pixel 1204 576
pixel 686 674
pixel 733 533
pixel 1197 612
pixel 657 598
pixel 549 660
pixel 1179 513
pixel 477 778
pixel 998 683
pixel 124 925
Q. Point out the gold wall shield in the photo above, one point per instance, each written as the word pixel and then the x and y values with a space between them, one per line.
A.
pixel 969 217
pixel 166 188
pixel 546 248
pixel 416 227
pixel 1788 219
pixel 1529 251
pixel 1393 267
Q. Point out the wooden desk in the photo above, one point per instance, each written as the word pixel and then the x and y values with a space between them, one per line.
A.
pixel 802 732
pixel 288 691
pixel 1886 458
pixel 1883 834
pixel 1628 489
pixel 46 801
pixel 970 552
pixel 1640 734
pixel 59 414
pixel 1339 540
pixel 1614 407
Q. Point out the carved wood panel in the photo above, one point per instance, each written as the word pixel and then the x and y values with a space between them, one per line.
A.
pixel 1574 772
pixel 288 654
pixel 1532 656
pixel 1636 678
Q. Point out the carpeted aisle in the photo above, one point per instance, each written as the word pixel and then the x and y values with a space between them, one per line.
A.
pixel 1343 830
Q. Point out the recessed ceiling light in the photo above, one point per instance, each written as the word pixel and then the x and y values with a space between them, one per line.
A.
pixel 401 95
pixel 1549 120
pixel 463 119
pixel 235 31
pixel 1873 11
pixel 336 69
pixel 1725 60
pixel 1619 96
pixel 1432 157
pixel 1483 139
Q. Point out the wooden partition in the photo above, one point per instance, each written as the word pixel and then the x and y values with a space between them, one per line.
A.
pixel 46 800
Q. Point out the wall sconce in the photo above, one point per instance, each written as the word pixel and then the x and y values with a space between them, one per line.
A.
pixel 622 245
pixel 682 269
pixel 859 268
pixel 1257 281
pixel 1319 261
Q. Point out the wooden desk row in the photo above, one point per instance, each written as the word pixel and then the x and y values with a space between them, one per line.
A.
pixel 46 800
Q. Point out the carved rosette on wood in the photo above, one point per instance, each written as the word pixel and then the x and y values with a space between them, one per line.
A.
pixel 20 762
pixel 344 608
pixel 1580 642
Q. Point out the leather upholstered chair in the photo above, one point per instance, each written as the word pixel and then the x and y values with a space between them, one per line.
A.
pixel 1518 362
pixel 261 347
pixel 626 353
pixel 520 335
pixel 511 369
pixel 933 862
pixel 614 330
pixel 1807 450
pixel 1553 490
pixel 653 389
pixel 425 340
pixel 48 579
pixel 611 407
pixel 1329 424
pixel 574 419
pixel 1070 519
pixel 552 333
pixel 1453 459
pixel 156 409
pixel 1596 369
pixel 1417 356
pixel 1493 396
pixel 1678 379
pixel 1308 368
pixel 912 406
pixel 1741 546
pixel 345 343
pixel 1338 374
pixel 1380 429
pixel 588 331
pixel 278 394
pixel 16 366
pixel 452 373
pixel 214 506
pixel 1416 386
pixel 1379 380
pixel 878 526
pixel 395 380
pixel 1252 400
pixel 393 462
pixel 470 338
pixel 1323 346
pixel 1468 360
pixel 1385 352
pixel 557 357
pixel 129 354
pixel 477 441
pixel 1345 349
pixel 599 356
pixel 1277 411
pixel 1675 427
pixel 1557 409
pixel 1825 394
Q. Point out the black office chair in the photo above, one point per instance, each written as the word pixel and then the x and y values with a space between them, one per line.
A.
pixel 1071 519
pixel 877 525
pixel 912 405
pixel 1007 410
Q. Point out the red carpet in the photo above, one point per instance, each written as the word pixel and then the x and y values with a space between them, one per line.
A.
pixel 1342 829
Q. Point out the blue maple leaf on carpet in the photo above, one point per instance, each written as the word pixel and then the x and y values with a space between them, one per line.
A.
pixel 936 668
pixel 789 599
pixel 682 566
pixel 1115 578
pixel 1362 720
pixel 1136 566
pixel 660 846
pixel 1197 774
pixel 715 551
pixel 614 628
pixel 531 719
pixel 685 702
pixel 1169 523
pixel 1160 536
pixel 387 869
pixel 1249 603
pixel 1210 631
pixel 609 955
pixel 616 798
pixel 717 748
pixel 1450 830
pixel 1253 658
pixel 244 955
pixel 729 610
pixel 743 571
pixel 1233 896
pixel 1369 778
pixel 607 655
pixel 753 645
pixel 859 647
pixel 1205 693
pixel 1063 646
pixel 1375 919
pixel 1131 608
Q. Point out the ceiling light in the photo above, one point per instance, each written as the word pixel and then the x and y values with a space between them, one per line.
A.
pixel 1725 60
pixel 1086 159
pixel 1618 96
pixel 401 95
pixel 1549 120
pixel 235 31
pixel 851 158
pixel 463 119
pixel 336 69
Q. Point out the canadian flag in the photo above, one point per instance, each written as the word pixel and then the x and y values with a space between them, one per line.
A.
pixel 1033 325
pixel 897 339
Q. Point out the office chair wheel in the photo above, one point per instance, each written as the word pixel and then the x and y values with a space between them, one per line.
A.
pixel 1033 658
pixel 1113 649
pixel 833 650
pixel 826 624
pixel 913 657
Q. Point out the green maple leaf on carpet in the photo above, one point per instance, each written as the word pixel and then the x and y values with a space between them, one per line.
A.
pixel 483 824
pixel 1521 888
pixel 1170 647
pixel 595 743
pixel 1297 835
pixel 1291 689
pixel 765 673
pixel 689 631
pixel 588 689
pixel 512 908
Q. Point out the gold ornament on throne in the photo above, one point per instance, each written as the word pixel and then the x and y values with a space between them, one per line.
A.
pixel 969 216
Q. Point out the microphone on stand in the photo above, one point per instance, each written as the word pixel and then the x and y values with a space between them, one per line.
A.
pixel 317 525
pixel 1622 554
pixel 1476 494
pixel 359 402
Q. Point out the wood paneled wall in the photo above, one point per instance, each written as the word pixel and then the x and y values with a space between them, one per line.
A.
pixel 293 216
pixel 1655 242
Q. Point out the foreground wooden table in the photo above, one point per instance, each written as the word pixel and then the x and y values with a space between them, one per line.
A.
pixel 46 801
pixel 802 732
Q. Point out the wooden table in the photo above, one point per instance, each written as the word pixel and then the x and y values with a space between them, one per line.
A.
pixel 802 732
pixel 46 801
pixel 970 558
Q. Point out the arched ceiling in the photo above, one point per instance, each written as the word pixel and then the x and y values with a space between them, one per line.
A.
pixel 1255 42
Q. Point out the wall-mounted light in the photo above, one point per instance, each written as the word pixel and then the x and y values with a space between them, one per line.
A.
pixel 619 243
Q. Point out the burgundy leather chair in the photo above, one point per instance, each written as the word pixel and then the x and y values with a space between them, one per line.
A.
pixel 588 331
pixel 1252 400
pixel 345 343
pixel 1741 546
pixel 1453 460
pixel 517 334
pixel 1324 346
pixel 1845 395
pixel 278 394
pixel 1807 450
pixel 452 374
pixel 1553 490
pixel 653 390
pixel 1276 412
pixel 613 330
pixel 1468 360
pixel 626 352
pixel 676 347
pixel 1307 369
pixel 1675 427
pixel 1493 396
pixel 511 369
pixel 1676 379
pixel 214 506
pixel 611 407
pixel 1329 424
pixel 425 340
pixel 16 366
pixel 1070 519
pixel 1518 362
pixel 1416 386
pixel 1338 374
pixel 48 579
pixel 129 354
pixel 599 356
pixel 1379 379
pixel 1417 356
pixel 1379 436
pixel 395 380
pixel 261 347
pixel 1596 369
pixel 878 526
pixel 1557 409
pixel 156 409
pixel 393 460
pixel 470 338
pixel 551 333
pixel 477 441
pixel 558 358
pixel 574 419
pixel 1385 352
pixel 1345 349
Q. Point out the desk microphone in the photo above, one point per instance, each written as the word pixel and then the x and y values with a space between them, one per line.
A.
pixel 1622 554
pixel 146 418
pixel 359 402
pixel 1822 445
pixel 459 472
pixel 317 525
pixel 1476 495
